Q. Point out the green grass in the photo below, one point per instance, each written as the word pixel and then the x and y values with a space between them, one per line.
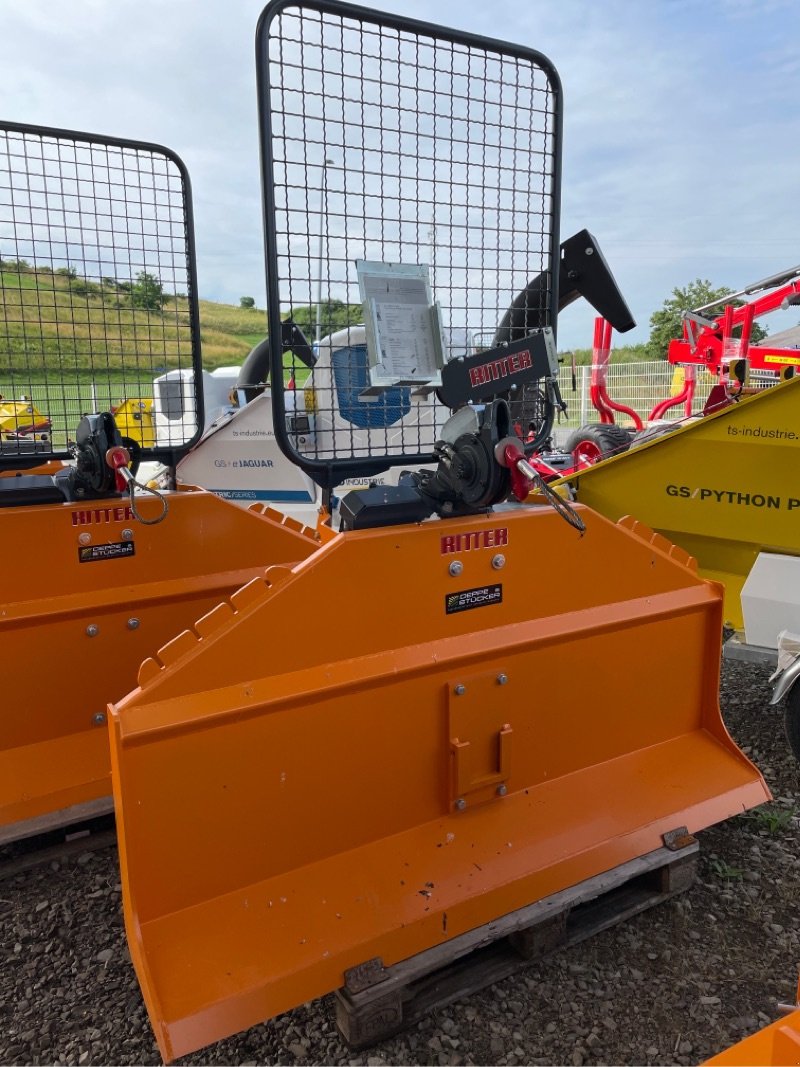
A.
pixel 17 280
pixel 725 871
pixel 619 354
pixel 47 318
pixel 773 821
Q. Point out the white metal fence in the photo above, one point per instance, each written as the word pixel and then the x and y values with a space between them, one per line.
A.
pixel 637 385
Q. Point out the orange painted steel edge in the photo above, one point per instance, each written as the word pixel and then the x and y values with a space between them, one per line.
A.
pixel 288 809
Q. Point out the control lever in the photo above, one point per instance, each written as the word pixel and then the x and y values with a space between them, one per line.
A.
pixel 117 458
pixel 510 453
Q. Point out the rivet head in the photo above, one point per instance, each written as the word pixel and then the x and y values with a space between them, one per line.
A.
pixel 502 790
pixel 456 568
pixel 502 679
pixel 133 624
pixel 461 804
pixel 84 539
pixel 99 718
pixel 460 690
pixel 92 630
pixel 498 561
pixel 127 534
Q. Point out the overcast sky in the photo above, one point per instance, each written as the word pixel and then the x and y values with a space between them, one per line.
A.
pixel 681 138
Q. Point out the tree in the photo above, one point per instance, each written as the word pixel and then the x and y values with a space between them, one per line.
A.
pixel 667 323
pixel 334 315
pixel 83 287
pixel 247 302
pixel 147 292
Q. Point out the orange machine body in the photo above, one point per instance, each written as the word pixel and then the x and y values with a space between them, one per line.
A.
pixel 47 466
pixel 455 743
pixel 777 1045
pixel 87 593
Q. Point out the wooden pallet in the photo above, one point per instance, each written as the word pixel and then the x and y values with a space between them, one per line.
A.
pixel 377 1002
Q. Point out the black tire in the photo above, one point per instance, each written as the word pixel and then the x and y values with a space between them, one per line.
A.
pixel 791 720
pixel 608 438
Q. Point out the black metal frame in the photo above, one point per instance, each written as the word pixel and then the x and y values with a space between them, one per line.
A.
pixel 329 473
pixel 170 453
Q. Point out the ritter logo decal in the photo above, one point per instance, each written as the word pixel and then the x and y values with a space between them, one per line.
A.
pixel 486 373
pixel 468 542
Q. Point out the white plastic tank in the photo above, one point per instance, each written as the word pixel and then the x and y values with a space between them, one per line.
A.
pixel 771 598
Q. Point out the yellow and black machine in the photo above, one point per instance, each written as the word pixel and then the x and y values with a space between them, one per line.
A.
pixel 475 726
pixel 723 485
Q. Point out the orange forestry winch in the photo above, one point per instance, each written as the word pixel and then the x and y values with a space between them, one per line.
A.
pixel 292 806
pixel 123 587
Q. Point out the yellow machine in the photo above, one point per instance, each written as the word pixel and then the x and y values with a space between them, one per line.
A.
pixel 135 420
pixel 21 418
pixel 722 487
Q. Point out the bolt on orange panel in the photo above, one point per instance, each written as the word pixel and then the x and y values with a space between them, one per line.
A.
pixel 77 629
pixel 455 746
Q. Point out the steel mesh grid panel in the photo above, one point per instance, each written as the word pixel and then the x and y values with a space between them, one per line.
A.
pixel 393 141
pixel 97 286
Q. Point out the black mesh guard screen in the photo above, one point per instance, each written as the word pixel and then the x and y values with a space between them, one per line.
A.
pixel 394 141
pixel 97 292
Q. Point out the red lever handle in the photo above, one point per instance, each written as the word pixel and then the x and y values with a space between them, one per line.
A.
pixel 118 458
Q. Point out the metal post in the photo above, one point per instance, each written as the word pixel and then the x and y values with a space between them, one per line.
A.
pixel 323 189
pixel 584 394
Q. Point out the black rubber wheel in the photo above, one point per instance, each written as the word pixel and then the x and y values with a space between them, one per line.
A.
pixel 597 441
pixel 791 720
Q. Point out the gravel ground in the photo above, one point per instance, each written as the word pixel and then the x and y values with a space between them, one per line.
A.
pixel 673 985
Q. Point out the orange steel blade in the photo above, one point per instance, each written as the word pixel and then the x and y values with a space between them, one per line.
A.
pixel 293 803
pixel 76 632
pixel 777 1045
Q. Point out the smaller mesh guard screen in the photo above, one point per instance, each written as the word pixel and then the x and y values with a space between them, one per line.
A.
pixel 393 142
pixel 97 291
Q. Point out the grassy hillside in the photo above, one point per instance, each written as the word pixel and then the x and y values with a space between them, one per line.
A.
pixel 46 316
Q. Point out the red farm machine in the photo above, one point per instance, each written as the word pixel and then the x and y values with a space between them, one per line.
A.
pixel 716 348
